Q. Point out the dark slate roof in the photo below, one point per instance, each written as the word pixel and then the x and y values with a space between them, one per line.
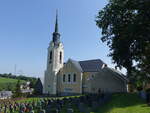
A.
pixel 91 65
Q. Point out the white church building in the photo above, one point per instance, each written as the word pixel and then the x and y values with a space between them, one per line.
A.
pixel 78 77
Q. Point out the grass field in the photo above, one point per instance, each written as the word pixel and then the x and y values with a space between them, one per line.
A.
pixel 125 103
pixel 6 83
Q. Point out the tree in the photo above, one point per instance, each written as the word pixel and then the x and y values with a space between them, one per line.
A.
pixel 18 89
pixel 32 83
pixel 38 88
pixel 9 87
pixel 125 28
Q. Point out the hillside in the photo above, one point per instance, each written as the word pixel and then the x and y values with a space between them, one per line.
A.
pixel 125 103
pixel 8 83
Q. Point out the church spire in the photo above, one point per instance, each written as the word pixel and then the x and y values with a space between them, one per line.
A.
pixel 56 35
pixel 56 23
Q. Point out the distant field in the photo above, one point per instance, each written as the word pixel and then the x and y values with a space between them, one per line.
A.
pixel 8 83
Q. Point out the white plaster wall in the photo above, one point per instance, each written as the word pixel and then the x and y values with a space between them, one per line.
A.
pixel 50 78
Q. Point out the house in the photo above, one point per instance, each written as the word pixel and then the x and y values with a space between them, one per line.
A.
pixel 25 88
pixel 5 94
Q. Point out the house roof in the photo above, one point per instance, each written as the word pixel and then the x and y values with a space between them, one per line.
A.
pixel 6 93
pixel 91 65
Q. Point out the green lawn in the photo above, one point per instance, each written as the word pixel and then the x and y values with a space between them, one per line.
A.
pixel 8 83
pixel 125 103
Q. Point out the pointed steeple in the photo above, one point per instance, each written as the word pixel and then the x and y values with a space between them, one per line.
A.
pixel 56 35
pixel 56 23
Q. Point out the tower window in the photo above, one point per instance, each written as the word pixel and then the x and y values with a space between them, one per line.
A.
pixel 74 78
pixel 64 77
pixel 60 58
pixel 69 78
pixel 50 60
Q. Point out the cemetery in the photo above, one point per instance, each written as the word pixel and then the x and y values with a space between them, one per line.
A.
pixel 91 103
pixel 73 104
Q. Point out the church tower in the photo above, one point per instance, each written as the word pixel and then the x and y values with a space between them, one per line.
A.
pixel 55 60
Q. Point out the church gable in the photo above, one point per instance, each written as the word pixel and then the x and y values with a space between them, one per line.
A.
pixel 70 78
pixel 72 65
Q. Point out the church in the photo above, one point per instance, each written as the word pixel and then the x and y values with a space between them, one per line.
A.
pixel 78 77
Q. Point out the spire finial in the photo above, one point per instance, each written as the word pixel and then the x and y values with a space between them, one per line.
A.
pixel 56 24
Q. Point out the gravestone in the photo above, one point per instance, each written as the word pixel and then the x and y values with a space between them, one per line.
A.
pixel 0 109
pixel 10 108
pixel 142 94
pixel 48 108
pixel 42 111
pixel 83 108
pixel 57 111
pixel 94 105
pixel 69 110
pixel 21 111
pixel 31 110
pixel 5 108
pixel 58 106
pixel 100 101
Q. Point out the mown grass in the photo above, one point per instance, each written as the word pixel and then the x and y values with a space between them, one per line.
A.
pixel 125 103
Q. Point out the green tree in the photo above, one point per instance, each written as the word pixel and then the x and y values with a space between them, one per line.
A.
pixel 125 28
pixel 32 83
pixel 17 89
pixel 9 87
pixel 38 87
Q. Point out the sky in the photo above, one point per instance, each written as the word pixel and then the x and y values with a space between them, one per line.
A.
pixel 26 28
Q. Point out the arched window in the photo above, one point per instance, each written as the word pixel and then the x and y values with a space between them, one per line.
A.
pixel 64 77
pixel 69 78
pixel 74 78
pixel 50 57
pixel 60 58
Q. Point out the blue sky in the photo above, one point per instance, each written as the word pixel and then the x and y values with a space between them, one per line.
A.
pixel 26 28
